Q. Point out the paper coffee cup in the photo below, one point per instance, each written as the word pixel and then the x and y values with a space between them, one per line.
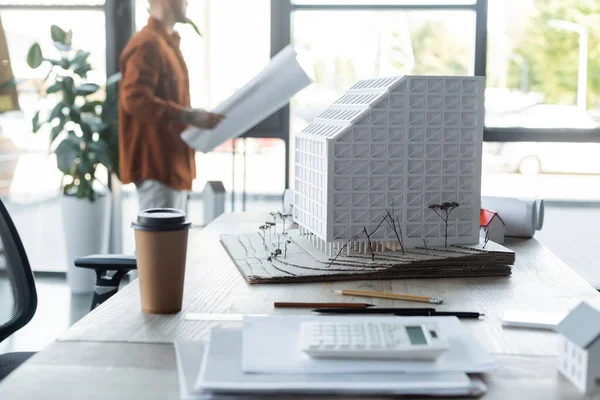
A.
pixel 161 236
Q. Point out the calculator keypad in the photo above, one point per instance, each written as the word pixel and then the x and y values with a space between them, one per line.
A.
pixel 366 340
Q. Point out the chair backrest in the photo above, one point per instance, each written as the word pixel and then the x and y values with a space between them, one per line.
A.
pixel 18 297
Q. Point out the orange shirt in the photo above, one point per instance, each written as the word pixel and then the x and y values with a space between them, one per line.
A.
pixel 153 92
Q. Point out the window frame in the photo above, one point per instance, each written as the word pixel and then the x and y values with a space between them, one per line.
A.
pixel 480 7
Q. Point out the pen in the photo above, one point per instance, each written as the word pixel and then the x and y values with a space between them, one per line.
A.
pixel 474 315
pixel 419 311
pixel 320 305
pixel 405 312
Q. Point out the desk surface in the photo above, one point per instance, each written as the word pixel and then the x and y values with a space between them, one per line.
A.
pixel 119 352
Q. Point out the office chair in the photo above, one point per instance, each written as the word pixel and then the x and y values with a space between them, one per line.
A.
pixel 110 270
pixel 18 297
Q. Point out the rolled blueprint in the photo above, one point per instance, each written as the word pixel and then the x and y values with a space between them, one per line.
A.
pixel 266 93
pixel 522 217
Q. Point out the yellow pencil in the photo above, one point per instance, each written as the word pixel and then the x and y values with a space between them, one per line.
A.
pixel 393 296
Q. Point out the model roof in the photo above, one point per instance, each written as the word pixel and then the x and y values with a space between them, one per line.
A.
pixel 581 325
pixel 486 216
pixel 349 108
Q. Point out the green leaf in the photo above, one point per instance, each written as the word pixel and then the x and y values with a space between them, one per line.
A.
pixel 74 115
pixel 194 26
pixel 82 70
pixel 62 47
pixel 86 89
pixel 114 79
pixel 80 58
pixel 57 112
pixel 91 106
pixel 36 122
pixel 85 165
pixel 67 152
pixel 87 130
pixel 69 37
pixel 57 130
pixel 64 63
pixel 68 90
pixel 34 56
pixel 58 34
pixel 101 152
pixel 54 88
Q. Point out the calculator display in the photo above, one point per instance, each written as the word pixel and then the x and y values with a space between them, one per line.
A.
pixel 416 335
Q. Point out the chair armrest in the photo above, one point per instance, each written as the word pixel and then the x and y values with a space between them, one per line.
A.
pixel 107 261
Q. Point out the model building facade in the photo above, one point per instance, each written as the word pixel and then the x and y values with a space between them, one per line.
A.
pixel 401 144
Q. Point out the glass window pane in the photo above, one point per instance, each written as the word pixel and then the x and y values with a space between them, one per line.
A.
pixel 541 65
pixel 30 180
pixel 550 171
pixel 52 2
pixel 219 62
pixel 386 2
pixel 340 47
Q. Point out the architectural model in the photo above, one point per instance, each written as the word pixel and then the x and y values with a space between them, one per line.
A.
pixel 579 351
pixel 492 226
pixel 406 147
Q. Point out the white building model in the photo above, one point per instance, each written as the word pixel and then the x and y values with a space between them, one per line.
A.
pixel 401 143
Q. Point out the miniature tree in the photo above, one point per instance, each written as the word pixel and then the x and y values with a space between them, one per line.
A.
pixel 271 225
pixel 368 235
pixel 262 231
pixel 487 237
pixel 342 249
pixel 274 215
pixel 287 242
pixel 443 211
pixel 285 216
pixel 396 227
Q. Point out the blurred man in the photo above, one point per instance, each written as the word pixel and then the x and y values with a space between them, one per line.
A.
pixel 155 108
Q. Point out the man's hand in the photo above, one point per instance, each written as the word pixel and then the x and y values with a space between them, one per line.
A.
pixel 202 119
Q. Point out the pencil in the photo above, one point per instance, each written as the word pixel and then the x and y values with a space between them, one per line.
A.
pixel 392 296
pixel 321 305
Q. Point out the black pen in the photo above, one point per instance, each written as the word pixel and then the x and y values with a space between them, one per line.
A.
pixel 404 312
pixel 473 315
pixel 375 310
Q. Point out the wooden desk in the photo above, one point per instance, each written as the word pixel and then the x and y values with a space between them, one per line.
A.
pixel 118 352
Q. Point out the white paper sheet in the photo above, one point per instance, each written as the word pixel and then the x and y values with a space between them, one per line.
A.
pixel 189 355
pixel 267 92
pixel 221 372
pixel 522 217
pixel 271 346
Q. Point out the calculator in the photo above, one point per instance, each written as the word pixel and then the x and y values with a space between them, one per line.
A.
pixel 374 340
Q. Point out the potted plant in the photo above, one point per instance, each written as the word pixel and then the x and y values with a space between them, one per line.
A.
pixel 79 138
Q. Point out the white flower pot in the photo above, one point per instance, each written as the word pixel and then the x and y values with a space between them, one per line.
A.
pixel 87 229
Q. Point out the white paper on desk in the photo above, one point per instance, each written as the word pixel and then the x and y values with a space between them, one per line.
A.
pixel 189 356
pixel 522 217
pixel 271 346
pixel 266 93
pixel 221 372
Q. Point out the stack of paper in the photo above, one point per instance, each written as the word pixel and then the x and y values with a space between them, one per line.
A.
pixel 264 358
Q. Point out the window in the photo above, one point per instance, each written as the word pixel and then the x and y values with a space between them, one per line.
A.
pixel 31 181
pixel 235 46
pixel 542 83
pixel 543 92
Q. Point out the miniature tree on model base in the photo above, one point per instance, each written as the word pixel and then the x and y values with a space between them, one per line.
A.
pixel 443 211
pixel 368 235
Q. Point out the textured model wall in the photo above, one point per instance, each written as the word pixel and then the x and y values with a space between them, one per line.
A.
pixel 403 143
